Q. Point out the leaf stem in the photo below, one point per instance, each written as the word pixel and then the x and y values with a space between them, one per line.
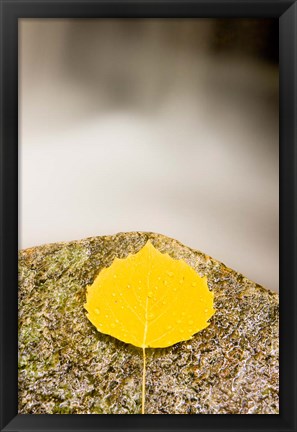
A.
pixel 143 380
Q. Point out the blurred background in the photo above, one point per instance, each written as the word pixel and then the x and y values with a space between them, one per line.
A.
pixel 164 125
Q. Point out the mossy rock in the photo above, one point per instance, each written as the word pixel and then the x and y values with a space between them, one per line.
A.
pixel 67 367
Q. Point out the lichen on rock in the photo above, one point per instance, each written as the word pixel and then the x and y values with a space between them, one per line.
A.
pixel 67 367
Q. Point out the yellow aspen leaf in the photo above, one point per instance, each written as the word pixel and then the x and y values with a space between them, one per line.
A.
pixel 149 300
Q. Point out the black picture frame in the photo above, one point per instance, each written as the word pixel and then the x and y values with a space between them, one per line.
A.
pixel 283 10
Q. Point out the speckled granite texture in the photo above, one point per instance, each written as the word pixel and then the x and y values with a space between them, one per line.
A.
pixel 67 367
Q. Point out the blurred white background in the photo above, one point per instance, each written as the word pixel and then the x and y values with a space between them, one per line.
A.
pixel 151 125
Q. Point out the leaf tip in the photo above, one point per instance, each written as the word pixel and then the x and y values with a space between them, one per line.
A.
pixel 149 244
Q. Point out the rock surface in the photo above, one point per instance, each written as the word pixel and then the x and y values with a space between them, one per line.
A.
pixel 67 366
